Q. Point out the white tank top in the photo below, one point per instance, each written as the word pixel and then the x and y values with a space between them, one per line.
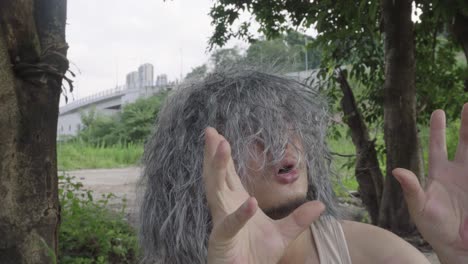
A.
pixel 330 241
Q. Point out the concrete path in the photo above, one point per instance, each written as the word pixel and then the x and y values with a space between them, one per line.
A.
pixel 122 183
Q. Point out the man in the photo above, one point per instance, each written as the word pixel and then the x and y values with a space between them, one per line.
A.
pixel 238 171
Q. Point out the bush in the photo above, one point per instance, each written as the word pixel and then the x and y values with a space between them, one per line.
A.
pixel 99 129
pixel 90 232
pixel 132 125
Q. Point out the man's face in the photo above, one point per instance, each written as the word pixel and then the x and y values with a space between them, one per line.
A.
pixel 278 189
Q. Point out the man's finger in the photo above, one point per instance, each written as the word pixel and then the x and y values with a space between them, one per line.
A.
pixel 214 160
pixel 412 190
pixel 233 223
pixel 233 179
pixel 217 169
pixel 462 148
pixel 299 220
pixel 211 143
pixel 212 137
pixel 437 145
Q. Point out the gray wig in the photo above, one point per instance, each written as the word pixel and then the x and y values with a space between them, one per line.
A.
pixel 247 107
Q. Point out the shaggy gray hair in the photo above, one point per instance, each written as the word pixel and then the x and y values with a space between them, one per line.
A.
pixel 247 107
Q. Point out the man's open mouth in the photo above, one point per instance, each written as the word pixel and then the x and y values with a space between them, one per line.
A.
pixel 287 173
pixel 286 169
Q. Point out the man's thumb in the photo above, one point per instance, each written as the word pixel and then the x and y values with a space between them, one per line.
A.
pixel 300 219
pixel 412 190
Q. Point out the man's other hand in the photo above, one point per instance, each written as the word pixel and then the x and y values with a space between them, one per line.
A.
pixel 441 210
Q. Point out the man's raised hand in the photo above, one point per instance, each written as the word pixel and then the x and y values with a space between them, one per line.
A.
pixel 441 210
pixel 241 232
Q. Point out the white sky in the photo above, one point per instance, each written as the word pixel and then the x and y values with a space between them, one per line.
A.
pixel 109 38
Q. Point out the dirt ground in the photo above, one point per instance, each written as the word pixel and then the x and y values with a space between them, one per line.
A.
pixel 122 183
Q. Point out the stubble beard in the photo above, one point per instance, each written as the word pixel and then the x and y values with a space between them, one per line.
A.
pixel 283 210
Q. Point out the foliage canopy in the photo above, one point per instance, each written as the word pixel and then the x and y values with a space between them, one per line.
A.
pixel 349 34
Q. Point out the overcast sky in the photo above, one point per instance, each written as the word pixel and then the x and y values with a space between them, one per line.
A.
pixel 109 38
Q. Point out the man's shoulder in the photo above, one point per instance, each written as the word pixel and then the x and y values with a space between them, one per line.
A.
pixel 372 244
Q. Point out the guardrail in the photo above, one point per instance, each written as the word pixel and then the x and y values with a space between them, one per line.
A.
pixel 93 98
pixel 119 90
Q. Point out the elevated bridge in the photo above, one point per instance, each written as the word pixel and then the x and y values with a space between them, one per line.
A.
pixel 107 102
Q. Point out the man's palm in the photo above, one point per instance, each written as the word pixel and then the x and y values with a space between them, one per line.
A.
pixel 241 232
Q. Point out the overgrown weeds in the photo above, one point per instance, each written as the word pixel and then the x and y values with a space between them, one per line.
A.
pixel 89 231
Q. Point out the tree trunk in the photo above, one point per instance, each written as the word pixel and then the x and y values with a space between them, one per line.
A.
pixel 400 131
pixel 32 65
pixel 367 168
pixel 460 31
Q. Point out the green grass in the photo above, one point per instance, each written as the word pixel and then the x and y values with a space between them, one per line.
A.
pixel 460 58
pixel 343 146
pixel 343 167
pixel 77 155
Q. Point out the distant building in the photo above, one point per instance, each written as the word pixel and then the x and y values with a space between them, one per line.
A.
pixel 133 80
pixel 161 80
pixel 146 75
